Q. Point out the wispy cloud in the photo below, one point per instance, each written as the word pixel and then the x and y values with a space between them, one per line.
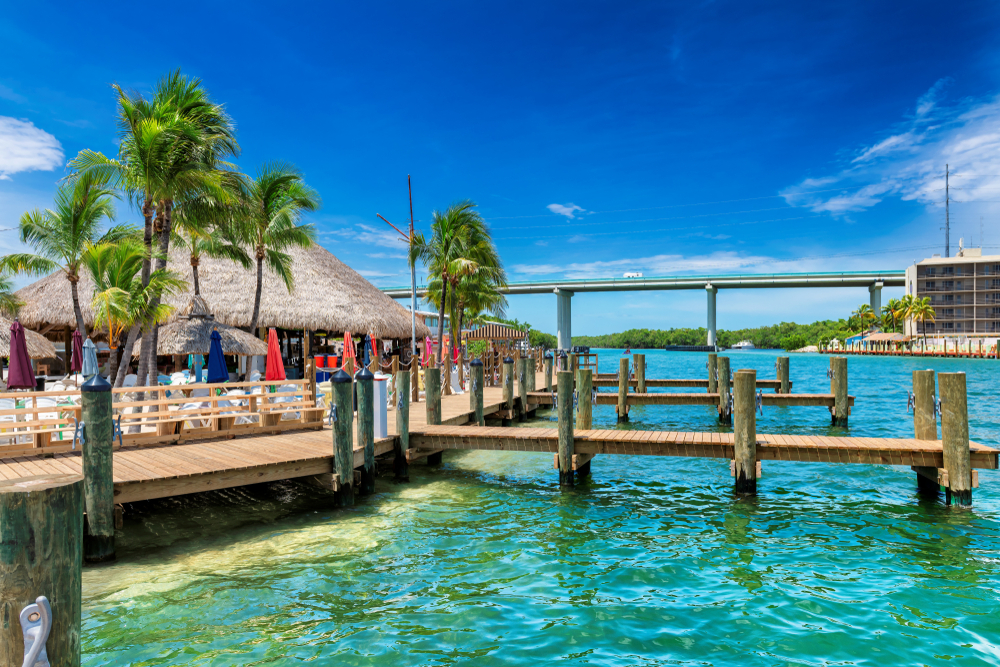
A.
pixel 8 94
pixel 385 255
pixel 578 238
pixel 541 243
pixel 655 265
pixel 24 147
pixel 362 233
pixel 909 162
pixel 569 210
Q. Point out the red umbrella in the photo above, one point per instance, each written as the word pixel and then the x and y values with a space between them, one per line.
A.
pixel 76 361
pixel 275 367
pixel 21 376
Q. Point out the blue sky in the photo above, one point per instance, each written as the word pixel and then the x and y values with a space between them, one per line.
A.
pixel 597 138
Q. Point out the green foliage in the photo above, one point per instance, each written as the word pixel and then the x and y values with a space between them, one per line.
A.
pixel 787 335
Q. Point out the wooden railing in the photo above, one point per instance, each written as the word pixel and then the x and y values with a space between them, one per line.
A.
pixel 45 422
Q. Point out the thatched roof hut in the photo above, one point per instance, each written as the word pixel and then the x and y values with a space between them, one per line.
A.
pixel 328 296
pixel 191 333
pixel 39 346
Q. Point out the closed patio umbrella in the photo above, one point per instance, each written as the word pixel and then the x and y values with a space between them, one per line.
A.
pixel 76 360
pixel 275 366
pixel 89 366
pixel 217 371
pixel 21 376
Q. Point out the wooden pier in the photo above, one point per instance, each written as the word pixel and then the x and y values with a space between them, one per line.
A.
pixel 611 380
pixel 677 398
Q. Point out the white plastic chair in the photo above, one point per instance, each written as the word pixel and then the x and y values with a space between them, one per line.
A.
pixel 240 403
pixel 288 399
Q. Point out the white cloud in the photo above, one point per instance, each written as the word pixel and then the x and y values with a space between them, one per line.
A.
pixel 909 163
pixel 578 238
pixel 566 209
pixel 24 147
pixel 385 255
pixel 365 234
pixel 541 243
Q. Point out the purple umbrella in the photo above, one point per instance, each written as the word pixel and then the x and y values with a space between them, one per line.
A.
pixel 20 376
pixel 76 361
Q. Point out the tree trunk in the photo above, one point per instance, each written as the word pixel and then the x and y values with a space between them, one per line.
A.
pixel 256 301
pixel 444 297
pixel 73 280
pixel 113 364
pixel 133 335
pixel 147 339
pixel 194 274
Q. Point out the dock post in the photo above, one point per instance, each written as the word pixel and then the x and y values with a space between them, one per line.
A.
pixel 532 370
pixel 713 372
pixel 415 379
pixel 725 411
pixel 838 387
pixel 548 371
pixel 343 438
pixel 925 425
pixel 584 409
pixel 745 431
pixel 565 400
pixel 640 372
pixel 432 380
pixel 41 520
pixel 400 466
pixel 522 387
pixel 508 389
pixel 366 429
pixel 476 395
pixel 446 375
pixel 98 481
pixel 955 437
pixel 783 376
pixel 623 385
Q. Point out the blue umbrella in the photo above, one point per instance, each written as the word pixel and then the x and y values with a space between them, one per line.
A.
pixel 89 359
pixel 365 346
pixel 217 371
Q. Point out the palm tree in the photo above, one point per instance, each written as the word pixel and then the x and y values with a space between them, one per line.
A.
pixel 9 304
pixel 922 312
pixel 61 235
pixel 473 296
pixel 889 310
pixel 460 245
pixel 865 314
pixel 120 299
pixel 269 222
pixel 206 229
pixel 904 307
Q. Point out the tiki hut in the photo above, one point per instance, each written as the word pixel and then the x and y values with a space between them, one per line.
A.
pixel 328 296
pixel 39 346
pixel 191 333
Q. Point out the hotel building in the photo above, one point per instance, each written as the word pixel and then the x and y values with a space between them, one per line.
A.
pixel 964 291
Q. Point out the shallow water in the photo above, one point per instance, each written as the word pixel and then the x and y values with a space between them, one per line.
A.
pixel 484 561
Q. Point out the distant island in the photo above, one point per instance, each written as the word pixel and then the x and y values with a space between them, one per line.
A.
pixel 786 336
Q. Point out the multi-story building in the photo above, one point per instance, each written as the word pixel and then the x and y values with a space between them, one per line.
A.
pixel 964 291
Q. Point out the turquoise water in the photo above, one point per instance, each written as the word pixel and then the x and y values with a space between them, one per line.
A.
pixel 484 561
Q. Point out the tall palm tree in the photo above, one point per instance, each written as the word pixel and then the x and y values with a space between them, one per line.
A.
pixel 460 245
pixel 206 229
pixel 865 314
pixel 922 311
pixel 270 221
pixel 120 300
pixel 889 310
pixel 9 304
pixel 60 235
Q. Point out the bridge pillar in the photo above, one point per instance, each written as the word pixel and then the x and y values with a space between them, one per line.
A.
pixel 711 291
pixel 875 298
pixel 564 318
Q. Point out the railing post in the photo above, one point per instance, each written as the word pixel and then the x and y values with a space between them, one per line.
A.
pixel 725 412
pixel 785 387
pixel 41 520
pixel 623 385
pixel 565 407
pixel 838 387
pixel 98 480
pixel 476 393
pixel 401 467
pixel 548 371
pixel 955 437
pixel 745 431
pixel 343 437
pixel 713 373
pixel 366 429
pixel 640 372
pixel 508 387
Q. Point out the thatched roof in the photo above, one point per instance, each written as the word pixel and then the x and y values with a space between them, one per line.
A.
pixel 328 296
pixel 191 333
pixel 492 331
pixel 39 346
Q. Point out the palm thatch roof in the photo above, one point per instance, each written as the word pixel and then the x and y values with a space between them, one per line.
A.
pixel 39 346
pixel 191 333
pixel 492 331
pixel 328 296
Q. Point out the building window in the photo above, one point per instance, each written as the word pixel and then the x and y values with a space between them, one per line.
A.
pixel 929 286
pixel 930 271
pixel 948 270
pixel 949 325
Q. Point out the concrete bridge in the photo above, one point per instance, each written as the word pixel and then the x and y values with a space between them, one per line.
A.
pixel 564 290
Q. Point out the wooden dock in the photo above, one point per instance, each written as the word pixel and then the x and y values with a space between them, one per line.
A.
pixel 605 380
pixel 605 398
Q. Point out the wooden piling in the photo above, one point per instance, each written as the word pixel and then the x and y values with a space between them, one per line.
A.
pixel 98 479
pixel 955 437
pixel 640 372
pixel 584 409
pixel 400 467
pixel 925 425
pixel 522 387
pixel 623 385
pixel 432 394
pixel 508 385
pixel 713 372
pixel 476 391
pixel 723 385
pixel 366 429
pixel 532 368
pixel 343 439
pixel 446 375
pixel 548 372
pixel 785 388
pixel 745 431
pixel 415 379
pixel 838 387
pixel 41 553
pixel 565 399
